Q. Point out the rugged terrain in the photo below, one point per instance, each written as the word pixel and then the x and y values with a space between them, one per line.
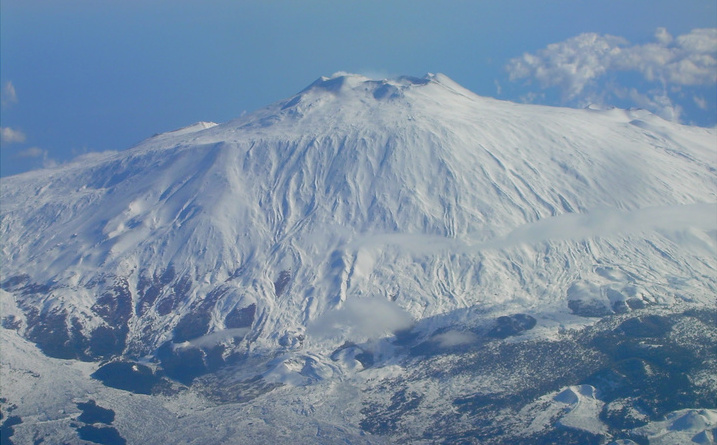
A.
pixel 371 261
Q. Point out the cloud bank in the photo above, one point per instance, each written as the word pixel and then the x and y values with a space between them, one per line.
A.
pixel 585 69
pixel 671 221
pixel 360 319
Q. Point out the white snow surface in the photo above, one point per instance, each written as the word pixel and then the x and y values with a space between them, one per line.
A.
pixel 413 191
pixel 683 426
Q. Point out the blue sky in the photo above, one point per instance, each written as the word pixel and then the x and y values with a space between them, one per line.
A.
pixel 95 75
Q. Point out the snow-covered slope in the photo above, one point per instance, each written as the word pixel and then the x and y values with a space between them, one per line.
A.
pixel 413 190
pixel 306 232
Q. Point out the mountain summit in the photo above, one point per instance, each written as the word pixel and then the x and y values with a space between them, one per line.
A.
pixel 413 190
pixel 352 211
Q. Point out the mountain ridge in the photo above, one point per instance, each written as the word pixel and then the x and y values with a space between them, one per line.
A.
pixel 369 261
pixel 343 175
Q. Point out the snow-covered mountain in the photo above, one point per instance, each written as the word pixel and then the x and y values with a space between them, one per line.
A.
pixel 358 225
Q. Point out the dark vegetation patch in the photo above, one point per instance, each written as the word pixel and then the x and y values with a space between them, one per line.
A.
pixel 224 388
pixel 562 435
pixel 104 435
pixel 196 322
pixel 114 306
pixel 184 364
pixel 60 336
pixel 191 326
pixel 92 413
pixel 7 430
pixel 640 363
pixel 646 326
pixel 51 333
pixel 402 402
pixel 649 366
pixel 107 342
pixel 129 376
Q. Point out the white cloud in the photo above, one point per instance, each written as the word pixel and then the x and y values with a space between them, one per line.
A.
pixel 570 65
pixel 577 65
pixel 655 100
pixel 9 95
pixel 37 153
pixel 9 135
pixel 32 152
pixel 700 102
pixel 662 36
pixel 670 221
pixel 455 338
pixel 362 318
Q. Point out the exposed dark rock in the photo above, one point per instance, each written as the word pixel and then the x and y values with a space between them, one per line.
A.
pixel 167 276
pixel 365 358
pixel 240 318
pixel 620 307
pixel 155 291
pixel 210 300
pixel 166 305
pixel 405 337
pixel 589 308
pixel 636 303
pixel 24 285
pixel 147 292
pixel 281 282
pixel 564 436
pixel 11 322
pixel 343 347
pixel 509 325
pixel 15 283
pixel 115 305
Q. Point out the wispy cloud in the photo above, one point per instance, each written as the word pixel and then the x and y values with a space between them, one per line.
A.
pixel 8 94
pixel 700 102
pixel 584 68
pixel 361 318
pixel 10 135
pixel 32 152
pixel 37 153
pixel 670 221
